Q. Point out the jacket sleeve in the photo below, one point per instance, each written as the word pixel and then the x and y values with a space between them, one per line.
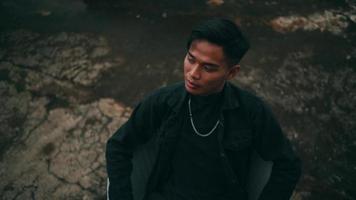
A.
pixel 119 149
pixel 272 145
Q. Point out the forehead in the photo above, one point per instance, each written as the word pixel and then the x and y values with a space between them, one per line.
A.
pixel 207 52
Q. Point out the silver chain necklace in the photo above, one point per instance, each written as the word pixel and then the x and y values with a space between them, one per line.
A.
pixel 195 130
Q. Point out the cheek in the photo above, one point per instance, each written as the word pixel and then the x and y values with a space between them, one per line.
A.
pixel 186 66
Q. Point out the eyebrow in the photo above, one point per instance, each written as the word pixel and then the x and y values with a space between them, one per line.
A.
pixel 205 63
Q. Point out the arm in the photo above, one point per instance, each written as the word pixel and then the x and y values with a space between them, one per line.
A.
pixel 272 145
pixel 136 131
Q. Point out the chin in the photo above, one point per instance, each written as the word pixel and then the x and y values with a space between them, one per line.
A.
pixel 191 91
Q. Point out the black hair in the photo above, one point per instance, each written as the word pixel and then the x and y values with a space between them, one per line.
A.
pixel 224 33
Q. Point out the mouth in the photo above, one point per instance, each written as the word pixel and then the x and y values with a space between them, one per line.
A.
pixel 191 84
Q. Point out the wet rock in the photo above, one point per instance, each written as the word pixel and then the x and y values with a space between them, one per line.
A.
pixel 53 134
pixel 61 126
pixel 100 52
pixel 57 65
pixel 330 20
pixel 315 108
pixel 64 150
pixel 64 56
pixel 13 112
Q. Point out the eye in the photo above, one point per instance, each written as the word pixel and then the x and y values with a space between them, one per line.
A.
pixel 209 68
pixel 190 59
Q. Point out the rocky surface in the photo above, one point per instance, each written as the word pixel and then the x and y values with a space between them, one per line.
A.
pixel 53 134
pixel 63 93
pixel 61 155
pixel 312 88
pixel 76 58
pixel 330 20
pixel 315 109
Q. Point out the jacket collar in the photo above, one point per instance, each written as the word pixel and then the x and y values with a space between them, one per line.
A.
pixel 179 95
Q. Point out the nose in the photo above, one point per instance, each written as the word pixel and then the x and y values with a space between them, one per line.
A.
pixel 195 72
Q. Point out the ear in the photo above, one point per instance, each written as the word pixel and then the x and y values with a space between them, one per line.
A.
pixel 233 71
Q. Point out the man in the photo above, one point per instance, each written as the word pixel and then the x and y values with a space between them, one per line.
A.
pixel 203 131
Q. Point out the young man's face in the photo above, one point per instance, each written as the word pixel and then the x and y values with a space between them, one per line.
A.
pixel 206 69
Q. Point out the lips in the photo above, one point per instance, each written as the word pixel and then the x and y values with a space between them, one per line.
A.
pixel 192 85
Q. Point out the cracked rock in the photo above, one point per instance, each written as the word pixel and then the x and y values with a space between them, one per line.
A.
pixel 330 20
pixel 74 57
pixel 315 108
pixel 65 151
pixel 53 132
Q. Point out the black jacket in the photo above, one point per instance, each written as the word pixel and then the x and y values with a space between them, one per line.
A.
pixel 247 125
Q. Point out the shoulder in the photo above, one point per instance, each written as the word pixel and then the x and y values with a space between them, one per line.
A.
pixel 250 102
pixel 256 111
pixel 244 97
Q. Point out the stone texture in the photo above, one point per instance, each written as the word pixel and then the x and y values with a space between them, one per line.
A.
pixel 78 58
pixel 315 109
pixel 53 124
pixel 53 132
pixel 62 154
pixel 333 21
